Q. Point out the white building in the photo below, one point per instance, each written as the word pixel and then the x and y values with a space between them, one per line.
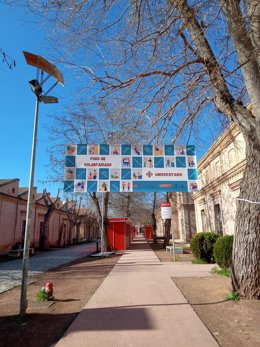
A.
pixel 220 173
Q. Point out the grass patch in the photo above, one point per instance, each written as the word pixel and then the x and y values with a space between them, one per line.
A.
pixel 199 261
pixel 42 296
pixel 233 296
pixel 221 272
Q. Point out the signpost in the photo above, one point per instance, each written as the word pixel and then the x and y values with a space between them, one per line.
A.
pixel 166 213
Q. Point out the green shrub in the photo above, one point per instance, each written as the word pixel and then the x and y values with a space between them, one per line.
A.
pixel 223 251
pixel 202 245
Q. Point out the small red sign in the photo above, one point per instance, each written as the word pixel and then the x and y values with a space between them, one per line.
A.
pixel 165 185
pixel 165 204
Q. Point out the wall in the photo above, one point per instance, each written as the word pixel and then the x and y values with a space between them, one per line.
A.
pixel 220 173
pixel 13 205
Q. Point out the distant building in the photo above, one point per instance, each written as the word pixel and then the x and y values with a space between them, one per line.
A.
pixel 183 217
pixel 13 205
pixel 220 173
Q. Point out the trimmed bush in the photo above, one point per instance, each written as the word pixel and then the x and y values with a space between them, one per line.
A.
pixel 223 251
pixel 202 245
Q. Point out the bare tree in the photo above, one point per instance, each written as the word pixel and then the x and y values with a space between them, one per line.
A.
pixel 154 224
pixel 105 218
pixel 171 61
pixel 75 216
pixel 77 125
pixel 50 203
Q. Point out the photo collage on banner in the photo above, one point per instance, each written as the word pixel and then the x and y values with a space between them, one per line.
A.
pixel 130 168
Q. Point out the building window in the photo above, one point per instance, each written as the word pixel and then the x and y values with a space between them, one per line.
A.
pixel 203 220
pixel 218 220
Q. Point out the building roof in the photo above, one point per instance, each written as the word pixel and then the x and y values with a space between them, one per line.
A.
pixel 5 181
pixel 39 195
pixel 225 137
pixel 22 190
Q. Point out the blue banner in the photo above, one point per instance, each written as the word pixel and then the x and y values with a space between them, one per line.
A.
pixel 130 168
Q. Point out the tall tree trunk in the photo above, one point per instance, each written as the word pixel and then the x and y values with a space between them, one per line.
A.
pixel 107 244
pixel 167 230
pixel 128 213
pixel 246 249
pixel 106 223
pixel 78 232
pixel 106 220
pixel 44 240
pixel 71 225
pixel 154 225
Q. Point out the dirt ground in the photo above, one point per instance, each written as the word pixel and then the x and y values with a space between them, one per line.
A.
pixel 233 324
pixel 43 326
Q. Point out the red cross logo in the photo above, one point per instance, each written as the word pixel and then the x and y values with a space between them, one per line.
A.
pixel 149 174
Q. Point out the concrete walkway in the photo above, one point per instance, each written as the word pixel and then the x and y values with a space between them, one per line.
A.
pixel 138 305
pixel 11 272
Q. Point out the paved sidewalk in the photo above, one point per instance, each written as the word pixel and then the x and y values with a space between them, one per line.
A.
pixel 138 305
pixel 11 272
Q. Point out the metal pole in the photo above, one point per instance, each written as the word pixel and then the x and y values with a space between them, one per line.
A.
pixel 102 223
pixel 26 247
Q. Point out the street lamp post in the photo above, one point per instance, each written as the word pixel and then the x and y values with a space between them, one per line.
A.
pixel 44 66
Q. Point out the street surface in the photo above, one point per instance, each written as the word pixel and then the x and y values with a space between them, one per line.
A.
pixel 11 272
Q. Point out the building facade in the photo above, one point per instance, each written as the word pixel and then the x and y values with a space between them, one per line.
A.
pixel 220 173
pixel 13 205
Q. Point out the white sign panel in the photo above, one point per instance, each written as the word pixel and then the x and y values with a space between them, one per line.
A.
pixel 130 168
pixel 166 210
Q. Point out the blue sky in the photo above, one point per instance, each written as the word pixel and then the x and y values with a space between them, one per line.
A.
pixel 18 102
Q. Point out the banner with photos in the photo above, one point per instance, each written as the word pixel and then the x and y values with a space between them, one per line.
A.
pixel 130 168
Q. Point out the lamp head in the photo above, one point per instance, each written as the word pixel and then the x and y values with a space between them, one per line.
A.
pixel 46 99
pixel 35 87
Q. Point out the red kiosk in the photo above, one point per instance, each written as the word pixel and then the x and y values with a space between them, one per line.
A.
pixel 148 232
pixel 120 233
